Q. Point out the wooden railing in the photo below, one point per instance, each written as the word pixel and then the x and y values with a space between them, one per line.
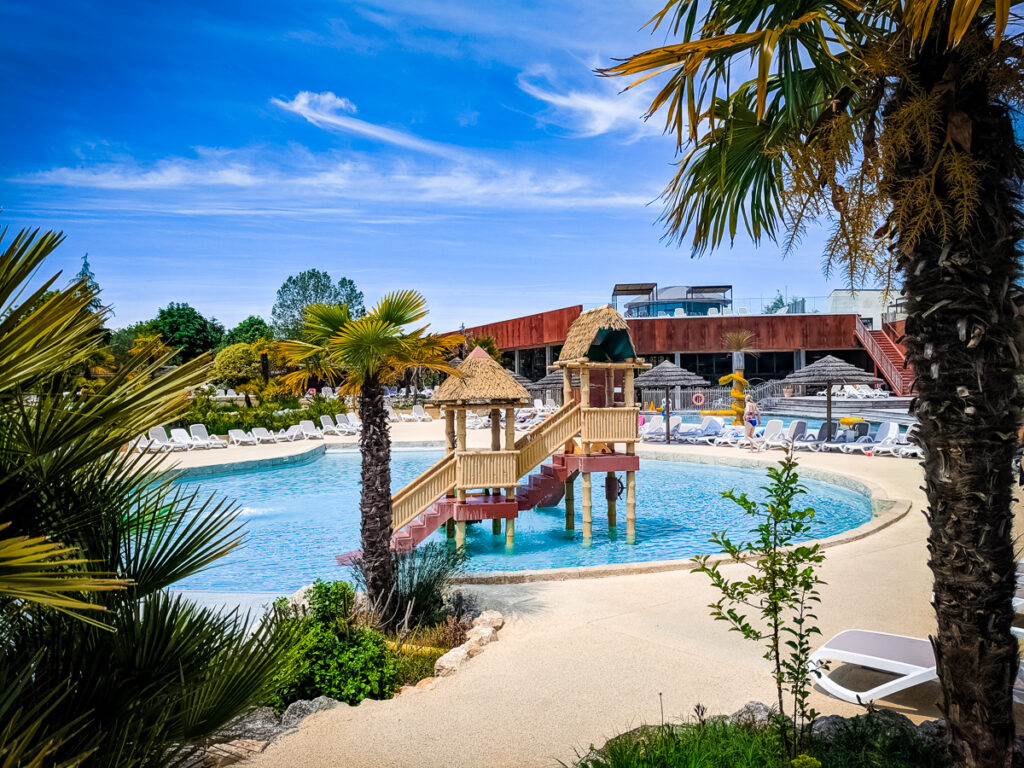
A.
pixel 889 370
pixel 610 425
pixel 422 492
pixel 486 469
pixel 547 437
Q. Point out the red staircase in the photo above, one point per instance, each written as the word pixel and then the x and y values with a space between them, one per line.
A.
pixel 891 351
pixel 544 488
pixel 436 515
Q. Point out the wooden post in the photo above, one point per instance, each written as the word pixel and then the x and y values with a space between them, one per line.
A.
pixel 449 428
pixel 510 429
pixel 495 429
pixel 610 478
pixel 585 443
pixel 588 526
pixel 628 393
pixel 460 534
pixel 460 447
pixel 630 506
pixel 449 528
pixel 570 505
pixel 585 387
pixel 609 387
pixel 567 386
pixel 510 532
pixel 496 526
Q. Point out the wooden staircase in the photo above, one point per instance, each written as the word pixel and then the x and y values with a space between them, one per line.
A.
pixel 888 358
pixel 891 351
pixel 424 505
pixel 545 488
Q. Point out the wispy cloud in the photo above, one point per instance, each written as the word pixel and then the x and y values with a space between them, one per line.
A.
pixel 327 111
pixel 588 113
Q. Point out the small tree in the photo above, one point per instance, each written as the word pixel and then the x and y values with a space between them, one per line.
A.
pixel 86 277
pixel 775 304
pixel 249 331
pixel 312 287
pixel 782 589
pixel 236 365
pixel 185 328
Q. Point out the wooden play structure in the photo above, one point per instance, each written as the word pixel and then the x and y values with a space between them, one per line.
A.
pixel 498 484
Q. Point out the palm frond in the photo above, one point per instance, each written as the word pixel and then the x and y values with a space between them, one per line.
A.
pixel 400 308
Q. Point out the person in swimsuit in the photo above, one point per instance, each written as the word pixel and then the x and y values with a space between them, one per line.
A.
pixel 751 415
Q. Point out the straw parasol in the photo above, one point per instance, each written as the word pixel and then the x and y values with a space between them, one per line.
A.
pixel 668 375
pixel 527 383
pixel 480 381
pixel 828 371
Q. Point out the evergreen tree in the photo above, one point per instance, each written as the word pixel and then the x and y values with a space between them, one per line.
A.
pixel 85 275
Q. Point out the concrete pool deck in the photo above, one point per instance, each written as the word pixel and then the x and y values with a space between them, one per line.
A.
pixel 584 659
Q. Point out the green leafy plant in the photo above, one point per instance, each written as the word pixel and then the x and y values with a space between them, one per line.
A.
pixel 781 589
pixel 186 330
pixel 97 658
pixel 235 365
pixel 333 654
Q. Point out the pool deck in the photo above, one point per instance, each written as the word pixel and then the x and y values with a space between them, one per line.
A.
pixel 581 660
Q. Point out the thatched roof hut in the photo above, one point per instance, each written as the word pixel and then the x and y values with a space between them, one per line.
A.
pixel 668 374
pixel 600 335
pixel 527 383
pixel 480 381
pixel 828 371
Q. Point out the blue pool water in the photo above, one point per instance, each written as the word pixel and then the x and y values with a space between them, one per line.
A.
pixel 297 518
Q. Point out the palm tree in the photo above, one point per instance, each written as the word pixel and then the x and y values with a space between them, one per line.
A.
pixel 892 122
pixel 367 354
pixel 97 658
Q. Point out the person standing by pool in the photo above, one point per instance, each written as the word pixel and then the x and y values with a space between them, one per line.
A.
pixel 751 415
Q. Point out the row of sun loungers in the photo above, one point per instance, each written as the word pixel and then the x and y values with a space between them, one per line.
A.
pixel 886 440
pixel 855 392
pixel 158 440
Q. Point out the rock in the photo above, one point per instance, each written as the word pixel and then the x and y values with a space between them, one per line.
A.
pixel 299 599
pixel 825 727
pixel 485 635
pixel 451 661
pixel 473 647
pixel 299 710
pixel 892 721
pixel 259 725
pixel 752 713
pixel 426 682
pixel 405 689
pixel 491 619
pixel 932 730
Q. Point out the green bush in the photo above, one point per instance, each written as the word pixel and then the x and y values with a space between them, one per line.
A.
pixel 333 654
pixel 274 414
pixel 874 740
pixel 235 365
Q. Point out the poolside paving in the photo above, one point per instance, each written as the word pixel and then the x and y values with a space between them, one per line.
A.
pixel 584 659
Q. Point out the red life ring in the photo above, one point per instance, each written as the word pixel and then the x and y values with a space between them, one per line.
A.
pixel 698 399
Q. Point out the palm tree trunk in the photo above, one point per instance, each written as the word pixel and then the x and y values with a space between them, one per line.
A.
pixel 960 336
pixel 375 497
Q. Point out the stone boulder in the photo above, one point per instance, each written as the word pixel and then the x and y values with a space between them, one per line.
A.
pixel 259 725
pixel 491 619
pixel 825 727
pixel 451 661
pixel 299 710
pixel 483 635
pixel 932 730
pixel 752 713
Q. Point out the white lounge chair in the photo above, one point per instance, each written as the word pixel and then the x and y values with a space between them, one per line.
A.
pixel 328 427
pixel 310 430
pixel 419 414
pixel 794 432
pixel 911 658
pixel 711 425
pixel 241 437
pixel 905 445
pixel 886 435
pixel 294 432
pixel 158 441
pixel 204 439
pixel 730 435
pixel 846 437
pixel 140 444
pixel 345 426
pixel 230 393
pixel 219 393
pixel 180 436
pixel 264 435
pixel 814 441
pixel 772 431
pixel 354 420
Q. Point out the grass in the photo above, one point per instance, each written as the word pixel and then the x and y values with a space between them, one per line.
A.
pixel 868 741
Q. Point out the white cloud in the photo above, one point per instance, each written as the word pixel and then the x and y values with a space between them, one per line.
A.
pixel 174 173
pixel 590 113
pixel 325 110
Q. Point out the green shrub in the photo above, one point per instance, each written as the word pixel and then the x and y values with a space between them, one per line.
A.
pixel 235 365
pixel 874 740
pixel 274 414
pixel 333 655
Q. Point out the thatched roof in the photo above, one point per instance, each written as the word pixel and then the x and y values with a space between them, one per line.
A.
pixel 831 370
pixel 554 380
pixel 668 374
pixel 527 383
pixel 601 335
pixel 481 381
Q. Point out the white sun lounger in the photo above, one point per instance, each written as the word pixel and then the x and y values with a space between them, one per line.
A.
pixel 772 432
pixel 264 435
pixel 203 438
pixel 419 414
pixel 241 437
pixel 794 432
pixel 699 430
pixel 294 432
pixel 909 657
pixel 730 435
pixel 328 427
pixel 180 436
pixel 158 441
pixel 886 435
pixel 345 425
pixel 310 431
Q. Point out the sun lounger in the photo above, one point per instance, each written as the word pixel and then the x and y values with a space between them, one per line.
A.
pixel 730 435
pixel 291 434
pixel 181 437
pixel 904 444
pixel 794 432
pixel 310 431
pixel 230 393
pixel 241 437
pixel 345 425
pixel 204 439
pixel 710 427
pixel 845 437
pixel 140 444
pixel 911 658
pixel 159 442
pixel 658 435
pixel 885 436
pixel 813 441
pixel 419 414
pixel 772 431
pixel 264 435
pixel 328 427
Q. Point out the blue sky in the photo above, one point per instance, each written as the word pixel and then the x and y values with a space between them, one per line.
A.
pixel 200 152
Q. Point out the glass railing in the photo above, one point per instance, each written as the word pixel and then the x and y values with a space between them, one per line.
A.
pixel 807 305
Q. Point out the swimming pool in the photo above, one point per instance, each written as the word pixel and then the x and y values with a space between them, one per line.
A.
pixel 299 517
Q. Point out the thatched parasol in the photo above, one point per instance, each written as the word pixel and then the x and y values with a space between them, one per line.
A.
pixel 668 375
pixel 527 383
pixel 481 381
pixel 828 371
